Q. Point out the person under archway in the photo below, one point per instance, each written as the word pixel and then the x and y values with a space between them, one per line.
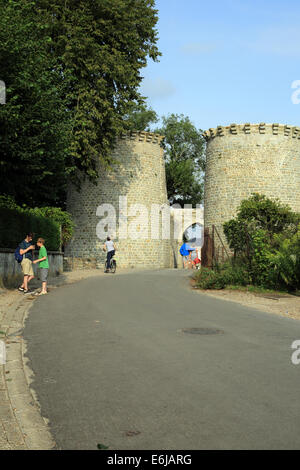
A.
pixel 196 260
pixel 185 251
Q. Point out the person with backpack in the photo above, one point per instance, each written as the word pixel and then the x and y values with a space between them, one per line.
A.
pixel 25 250
pixel 185 251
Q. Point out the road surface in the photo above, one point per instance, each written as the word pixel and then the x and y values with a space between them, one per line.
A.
pixel 113 366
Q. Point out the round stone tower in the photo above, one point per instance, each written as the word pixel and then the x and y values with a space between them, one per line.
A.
pixel 125 195
pixel 247 158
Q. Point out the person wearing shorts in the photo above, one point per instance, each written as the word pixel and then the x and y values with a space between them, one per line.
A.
pixel 43 264
pixel 26 250
pixel 186 260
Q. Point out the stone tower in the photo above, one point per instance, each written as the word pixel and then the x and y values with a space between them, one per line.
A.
pixel 138 175
pixel 246 158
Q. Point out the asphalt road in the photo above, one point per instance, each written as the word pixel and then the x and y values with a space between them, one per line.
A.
pixel 113 366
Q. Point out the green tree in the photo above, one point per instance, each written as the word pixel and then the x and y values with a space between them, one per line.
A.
pixel 259 212
pixel 62 218
pixel 140 118
pixel 265 236
pixel 72 70
pixel 100 46
pixel 56 214
pixel 285 260
pixel 267 214
pixel 184 157
pixel 33 122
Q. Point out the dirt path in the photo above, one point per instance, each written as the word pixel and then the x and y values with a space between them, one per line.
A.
pixel 280 304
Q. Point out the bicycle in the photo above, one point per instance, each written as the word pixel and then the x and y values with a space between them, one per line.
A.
pixel 113 265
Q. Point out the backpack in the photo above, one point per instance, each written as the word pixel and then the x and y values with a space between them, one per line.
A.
pixel 18 256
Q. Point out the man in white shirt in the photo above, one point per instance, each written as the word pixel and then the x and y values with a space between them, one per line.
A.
pixel 110 248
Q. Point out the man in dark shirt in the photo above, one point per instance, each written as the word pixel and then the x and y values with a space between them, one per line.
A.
pixel 26 249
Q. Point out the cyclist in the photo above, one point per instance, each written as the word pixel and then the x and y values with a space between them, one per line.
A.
pixel 109 246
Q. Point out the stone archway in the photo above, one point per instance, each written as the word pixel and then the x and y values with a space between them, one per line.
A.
pixel 182 221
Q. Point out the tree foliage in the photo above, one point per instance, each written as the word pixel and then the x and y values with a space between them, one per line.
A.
pixel 15 223
pixel 184 157
pixel 62 218
pixel 285 260
pixel 72 70
pixel 140 117
pixel 55 214
pixel 259 212
pixel 33 122
pixel 265 235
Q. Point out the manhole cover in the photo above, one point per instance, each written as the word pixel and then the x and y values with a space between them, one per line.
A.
pixel 202 331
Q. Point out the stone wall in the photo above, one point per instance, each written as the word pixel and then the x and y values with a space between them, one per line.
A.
pixel 9 267
pixel 139 174
pixel 247 158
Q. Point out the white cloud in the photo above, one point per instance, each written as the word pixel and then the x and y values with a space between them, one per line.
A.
pixel 157 88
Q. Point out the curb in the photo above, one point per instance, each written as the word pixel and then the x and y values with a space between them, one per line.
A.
pixel 24 427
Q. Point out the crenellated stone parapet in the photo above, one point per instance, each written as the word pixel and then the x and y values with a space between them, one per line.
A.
pixel 142 136
pixel 245 129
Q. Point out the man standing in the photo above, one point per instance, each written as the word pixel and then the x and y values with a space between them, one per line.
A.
pixel 26 250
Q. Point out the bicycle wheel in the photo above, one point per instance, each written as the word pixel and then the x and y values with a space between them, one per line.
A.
pixel 105 266
pixel 113 265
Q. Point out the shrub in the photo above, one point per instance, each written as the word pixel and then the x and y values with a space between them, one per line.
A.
pixel 226 274
pixel 264 234
pixel 259 213
pixel 285 262
pixel 14 223
pixel 63 218
pixel 235 274
pixel 8 202
pixel 209 279
pixel 259 263
pixel 37 220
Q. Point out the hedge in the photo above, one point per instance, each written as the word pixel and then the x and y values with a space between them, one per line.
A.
pixel 15 223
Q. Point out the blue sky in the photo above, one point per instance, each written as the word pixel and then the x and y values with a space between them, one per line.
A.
pixel 226 61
